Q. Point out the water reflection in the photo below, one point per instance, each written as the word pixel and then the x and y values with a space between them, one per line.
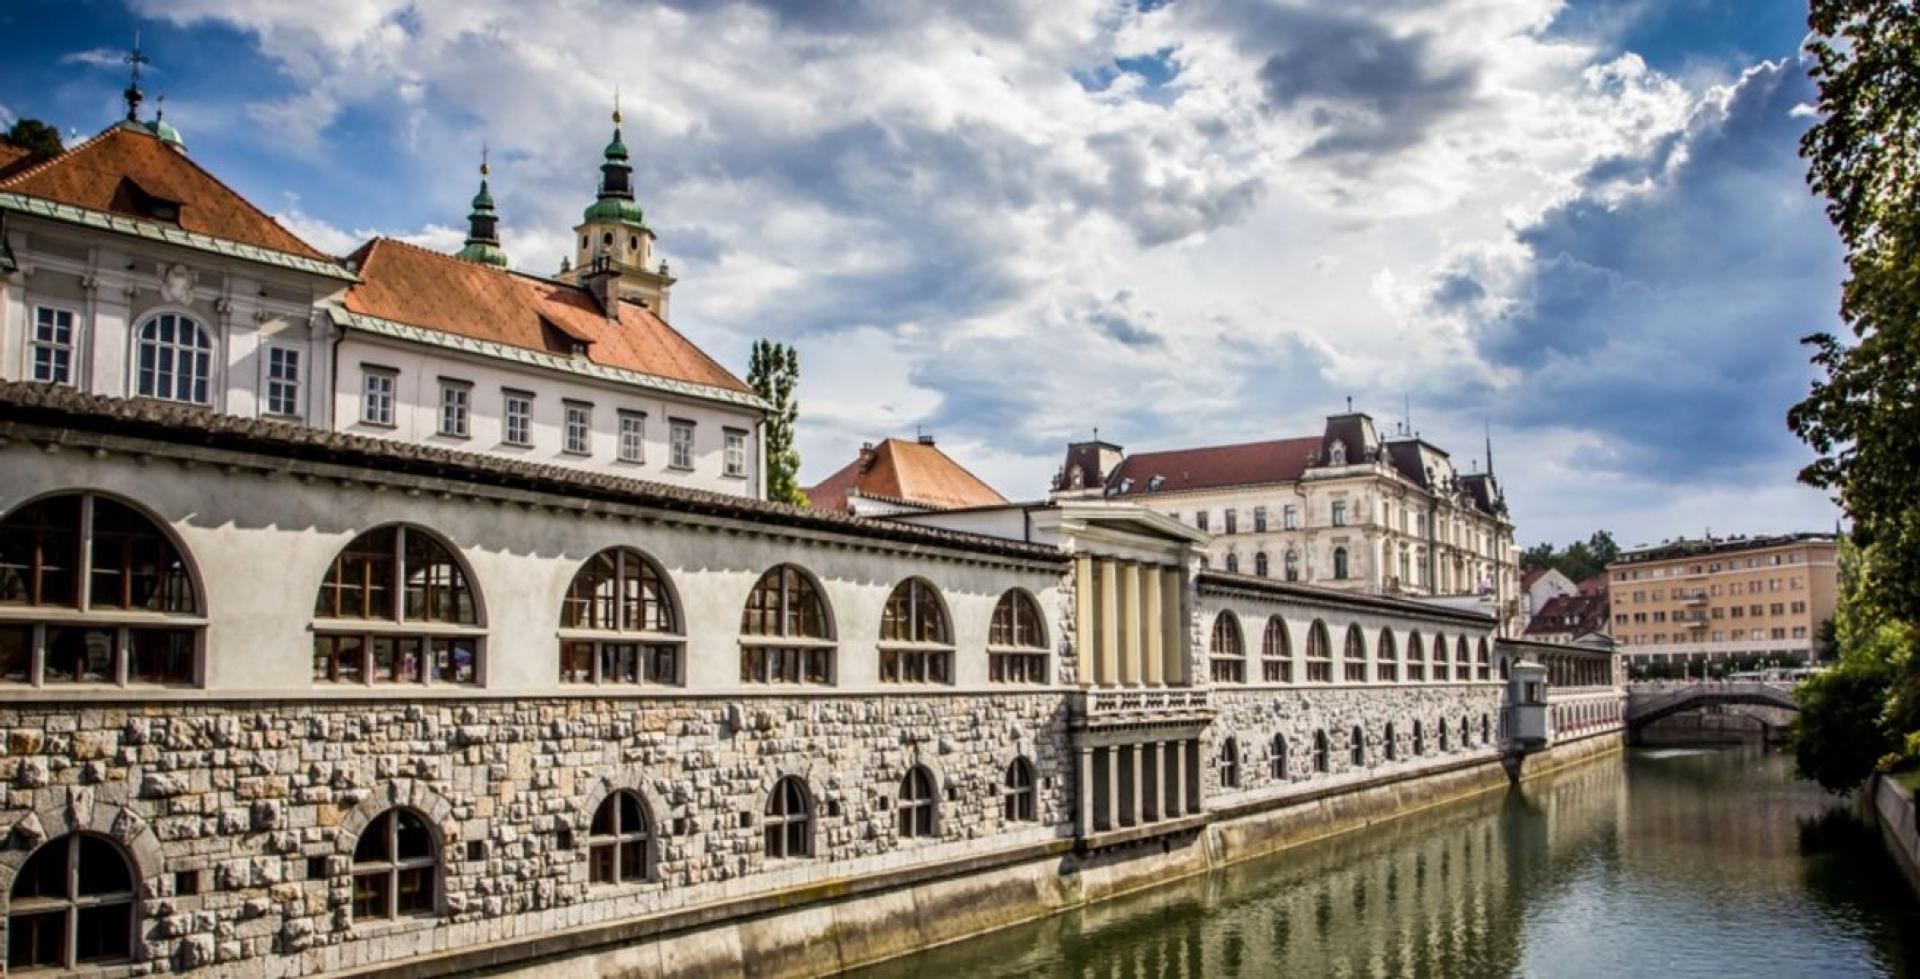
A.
pixel 1670 863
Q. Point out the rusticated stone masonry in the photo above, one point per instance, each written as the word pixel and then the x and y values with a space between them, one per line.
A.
pixel 258 807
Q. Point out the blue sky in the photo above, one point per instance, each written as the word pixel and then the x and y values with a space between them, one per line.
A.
pixel 1582 223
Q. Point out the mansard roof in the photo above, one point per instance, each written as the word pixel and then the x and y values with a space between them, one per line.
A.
pixel 1576 614
pixel 916 473
pixel 406 284
pixel 1213 467
pixel 67 416
pixel 111 172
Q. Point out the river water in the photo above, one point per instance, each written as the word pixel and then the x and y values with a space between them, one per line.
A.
pixel 1665 862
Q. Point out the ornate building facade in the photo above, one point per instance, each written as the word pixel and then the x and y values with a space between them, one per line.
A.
pixel 1344 509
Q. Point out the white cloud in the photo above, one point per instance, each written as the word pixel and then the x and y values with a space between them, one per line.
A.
pixel 957 231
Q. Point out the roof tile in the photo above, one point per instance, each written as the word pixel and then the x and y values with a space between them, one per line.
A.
pixel 909 472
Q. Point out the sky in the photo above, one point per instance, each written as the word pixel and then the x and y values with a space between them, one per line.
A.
pixel 1578 225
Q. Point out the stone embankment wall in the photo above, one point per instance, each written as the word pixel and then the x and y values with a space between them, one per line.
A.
pixel 1899 818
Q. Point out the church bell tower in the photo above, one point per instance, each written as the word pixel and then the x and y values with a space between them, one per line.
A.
pixel 612 239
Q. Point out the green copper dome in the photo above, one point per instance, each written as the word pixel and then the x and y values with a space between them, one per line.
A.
pixel 619 210
pixel 616 150
pixel 483 201
pixel 167 134
pixel 483 253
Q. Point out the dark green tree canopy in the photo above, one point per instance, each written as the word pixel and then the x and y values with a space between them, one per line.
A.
pixel 33 135
pixel 774 373
pixel 1579 561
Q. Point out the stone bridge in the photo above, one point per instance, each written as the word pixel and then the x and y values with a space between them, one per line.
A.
pixel 1649 702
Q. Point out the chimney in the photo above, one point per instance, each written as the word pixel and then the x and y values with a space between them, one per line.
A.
pixel 867 456
pixel 603 280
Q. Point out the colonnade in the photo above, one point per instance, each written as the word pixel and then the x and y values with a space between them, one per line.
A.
pixel 1131 784
pixel 1130 613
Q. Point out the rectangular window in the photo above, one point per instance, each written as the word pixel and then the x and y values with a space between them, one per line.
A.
pixel 1232 521
pixel 579 427
pixel 377 406
pixel 633 436
pixel 283 381
pixel 736 455
pixel 455 397
pixel 1290 517
pixel 1339 513
pixel 53 345
pixel 1259 520
pixel 519 418
pixel 1200 520
pixel 679 443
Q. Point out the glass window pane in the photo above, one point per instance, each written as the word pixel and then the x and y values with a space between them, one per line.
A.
pixel 102 869
pixel 160 656
pixel 16 653
pixel 373 844
pixel 370 894
pixel 416 891
pixel 80 655
pixel 413 839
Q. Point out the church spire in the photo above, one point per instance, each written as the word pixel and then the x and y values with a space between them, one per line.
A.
pixel 483 231
pixel 133 95
pixel 615 202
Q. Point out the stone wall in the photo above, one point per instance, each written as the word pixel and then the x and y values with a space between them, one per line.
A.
pixel 260 806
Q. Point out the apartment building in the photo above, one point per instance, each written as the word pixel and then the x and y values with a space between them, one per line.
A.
pixel 1718 598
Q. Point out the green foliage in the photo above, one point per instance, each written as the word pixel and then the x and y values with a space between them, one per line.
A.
pixel 1580 561
pixel 774 372
pixel 34 135
pixel 1864 155
pixel 1837 738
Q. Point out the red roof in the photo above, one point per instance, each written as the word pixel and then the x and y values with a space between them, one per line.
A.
pixel 13 157
pixel 908 472
pixel 1575 615
pixel 1250 463
pixel 113 170
pixel 1593 584
pixel 412 285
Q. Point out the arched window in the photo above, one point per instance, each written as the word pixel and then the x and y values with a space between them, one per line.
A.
pixel 1486 729
pixel 789 819
pixel 785 636
pixel 1504 672
pixel 1387 670
pixel 1319 653
pixel 1440 728
pixel 175 354
pixel 1462 660
pixel 1228 654
pixel 1293 562
pixel 1440 671
pixel 1260 563
pixel 1229 764
pixel 1390 744
pixel 1233 562
pixel 1466 735
pixel 1419 739
pixel 1357 745
pixel 1485 660
pixel 1340 563
pixel 1017 641
pixel 619 843
pixel 378 590
pixel 915 644
pixel 915 809
pixel 618 623
pixel 88 554
pixel 1416 659
pixel 1276 652
pixel 1017 793
pixel 395 869
pixel 1320 752
pixel 1355 655
pixel 73 904
pixel 1279 757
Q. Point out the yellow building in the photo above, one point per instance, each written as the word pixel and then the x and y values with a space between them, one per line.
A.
pixel 1720 598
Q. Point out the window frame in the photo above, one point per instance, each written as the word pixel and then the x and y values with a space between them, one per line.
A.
pixel 576 428
pixel 379 387
pixel 733 453
pixel 274 387
pixel 916 805
pixel 622 647
pixel 1009 658
pixel 149 387
pixel 1227 764
pixel 1227 649
pixel 1276 666
pixel 788 794
pixel 761 652
pixel 71 904
pixel 456 409
pixel 429 636
pixel 511 420
pixel 41 621
pixel 1019 792
pixel 631 446
pixel 677 428
pixel 910 660
pixel 1319 667
pixel 619 840
pixel 393 865
pixel 67 352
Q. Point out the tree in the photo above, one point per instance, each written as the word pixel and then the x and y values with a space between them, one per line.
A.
pixel 1855 714
pixel 34 135
pixel 1580 561
pixel 774 372
pixel 1861 153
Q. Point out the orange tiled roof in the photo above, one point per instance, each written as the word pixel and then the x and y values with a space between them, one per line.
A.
pixel 412 285
pixel 910 472
pixel 93 176
pixel 12 157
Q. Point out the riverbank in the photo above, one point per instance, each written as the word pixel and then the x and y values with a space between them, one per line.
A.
pixel 848 923
pixel 1894 804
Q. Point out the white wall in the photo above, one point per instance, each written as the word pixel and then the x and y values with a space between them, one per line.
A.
pixel 417 414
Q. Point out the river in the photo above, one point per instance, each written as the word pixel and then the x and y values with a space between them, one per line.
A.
pixel 1662 862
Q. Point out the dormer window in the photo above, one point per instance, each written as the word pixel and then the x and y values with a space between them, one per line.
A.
pixel 131 198
pixel 1337 455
